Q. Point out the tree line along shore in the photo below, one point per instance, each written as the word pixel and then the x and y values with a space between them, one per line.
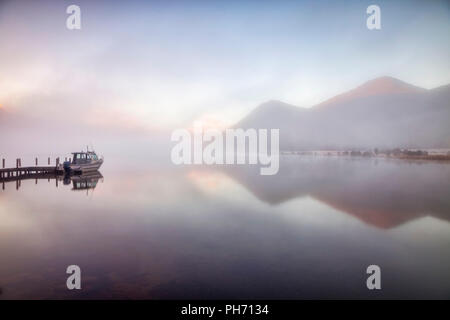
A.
pixel 413 154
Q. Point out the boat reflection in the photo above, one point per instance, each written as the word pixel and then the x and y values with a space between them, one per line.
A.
pixel 83 182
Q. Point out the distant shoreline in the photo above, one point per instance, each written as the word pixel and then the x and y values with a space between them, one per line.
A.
pixel 392 154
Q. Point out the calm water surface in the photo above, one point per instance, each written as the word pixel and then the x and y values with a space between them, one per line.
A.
pixel 160 231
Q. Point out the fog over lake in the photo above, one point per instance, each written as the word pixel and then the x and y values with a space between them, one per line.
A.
pixel 154 230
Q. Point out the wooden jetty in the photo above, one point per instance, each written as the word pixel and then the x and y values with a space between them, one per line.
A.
pixel 56 172
pixel 19 172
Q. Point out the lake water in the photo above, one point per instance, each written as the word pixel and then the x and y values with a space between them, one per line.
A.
pixel 161 232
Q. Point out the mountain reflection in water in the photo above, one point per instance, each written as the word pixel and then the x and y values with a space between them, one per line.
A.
pixel 383 193
pixel 227 232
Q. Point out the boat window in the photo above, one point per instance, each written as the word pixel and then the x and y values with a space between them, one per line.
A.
pixel 83 156
pixel 94 156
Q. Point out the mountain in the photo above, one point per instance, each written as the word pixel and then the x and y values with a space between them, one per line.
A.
pixel 384 113
pixel 378 86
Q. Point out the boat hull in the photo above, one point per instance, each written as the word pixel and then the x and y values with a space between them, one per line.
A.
pixel 85 167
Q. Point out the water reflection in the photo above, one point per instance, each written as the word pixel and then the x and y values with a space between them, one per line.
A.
pixel 162 231
pixel 84 182
pixel 384 195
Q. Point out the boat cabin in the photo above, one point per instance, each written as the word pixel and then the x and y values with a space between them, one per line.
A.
pixel 84 157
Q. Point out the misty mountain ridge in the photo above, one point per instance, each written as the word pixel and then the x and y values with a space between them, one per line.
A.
pixel 382 113
pixel 378 86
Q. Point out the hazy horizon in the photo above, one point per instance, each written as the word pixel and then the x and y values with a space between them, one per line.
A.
pixel 157 66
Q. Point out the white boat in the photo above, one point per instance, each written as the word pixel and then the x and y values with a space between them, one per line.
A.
pixel 82 162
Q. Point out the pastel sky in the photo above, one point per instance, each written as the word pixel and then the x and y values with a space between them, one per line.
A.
pixel 167 63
